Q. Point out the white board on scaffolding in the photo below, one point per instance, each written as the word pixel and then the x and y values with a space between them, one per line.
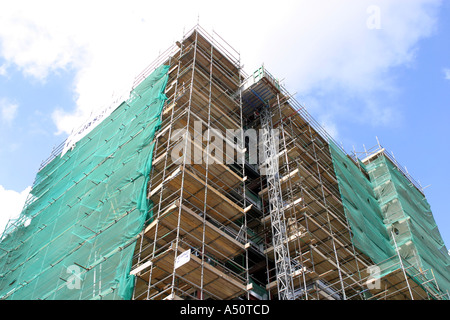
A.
pixel 183 258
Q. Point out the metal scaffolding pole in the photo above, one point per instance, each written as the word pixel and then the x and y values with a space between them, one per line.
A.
pixel 401 265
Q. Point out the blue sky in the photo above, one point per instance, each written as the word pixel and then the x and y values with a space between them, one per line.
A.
pixel 359 82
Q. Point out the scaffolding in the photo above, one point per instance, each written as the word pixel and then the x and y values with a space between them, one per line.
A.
pixel 274 230
pixel 306 221
pixel 195 245
pixel 324 264
pixel 408 219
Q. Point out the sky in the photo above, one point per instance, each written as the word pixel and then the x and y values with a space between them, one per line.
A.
pixel 366 70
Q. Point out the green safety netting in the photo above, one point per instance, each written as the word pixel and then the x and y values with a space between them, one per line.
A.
pixel 379 201
pixel 78 231
pixel 408 215
pixel 361 208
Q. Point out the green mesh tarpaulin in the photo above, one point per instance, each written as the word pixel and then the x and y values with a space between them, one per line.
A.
pixel 379 201
pixel 79 229
pixel 361 208
pixel 408 214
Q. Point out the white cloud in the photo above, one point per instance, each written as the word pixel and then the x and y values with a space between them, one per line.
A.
pixel 447 73
pixel 3 69
pixel 8 111
pixel 317 46
pixel 11 204
pixel 332 52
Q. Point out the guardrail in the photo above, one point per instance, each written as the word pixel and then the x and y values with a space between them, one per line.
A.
pixel 55 152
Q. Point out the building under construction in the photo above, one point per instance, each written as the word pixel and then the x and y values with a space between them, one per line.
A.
pixel 162 199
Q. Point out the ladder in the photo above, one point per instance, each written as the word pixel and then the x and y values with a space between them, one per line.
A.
pixel 279 233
